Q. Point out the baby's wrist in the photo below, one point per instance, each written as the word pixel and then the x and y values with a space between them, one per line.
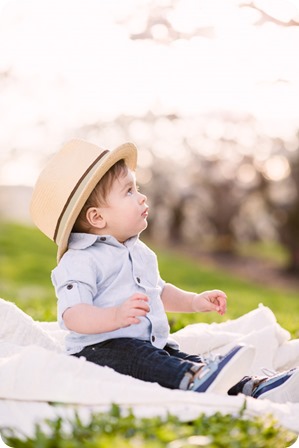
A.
pixel 193 302
pixel 117 318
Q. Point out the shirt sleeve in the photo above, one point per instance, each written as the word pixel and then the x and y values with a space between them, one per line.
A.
pixel 75 282
pixel 161 283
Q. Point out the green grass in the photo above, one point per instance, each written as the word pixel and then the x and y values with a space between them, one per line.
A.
pixel 121 430
pixel 243 296
pixel 26 260
pixel 267 250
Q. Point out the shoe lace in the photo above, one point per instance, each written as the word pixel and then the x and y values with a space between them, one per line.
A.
pixel 268 372
pixel 208 363
pixel 209 360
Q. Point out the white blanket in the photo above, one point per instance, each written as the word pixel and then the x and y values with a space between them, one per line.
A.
pixel 34 371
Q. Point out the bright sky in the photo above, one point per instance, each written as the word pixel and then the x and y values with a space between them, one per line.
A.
pixel 70 63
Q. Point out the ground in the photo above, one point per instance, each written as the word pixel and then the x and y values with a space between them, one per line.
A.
pixel 259 270
pixel 250 268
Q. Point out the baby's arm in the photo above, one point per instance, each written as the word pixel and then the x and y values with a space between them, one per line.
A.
pixel 178 300
pixel 89 319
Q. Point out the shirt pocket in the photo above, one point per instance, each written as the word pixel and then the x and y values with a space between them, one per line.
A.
pixel 147 266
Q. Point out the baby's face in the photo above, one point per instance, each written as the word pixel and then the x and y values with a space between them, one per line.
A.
pixel 126 211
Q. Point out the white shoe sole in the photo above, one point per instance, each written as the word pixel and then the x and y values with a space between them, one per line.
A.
pixel 234 371
pixel 283 393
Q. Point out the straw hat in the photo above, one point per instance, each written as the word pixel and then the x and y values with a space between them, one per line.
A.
pixel 66 183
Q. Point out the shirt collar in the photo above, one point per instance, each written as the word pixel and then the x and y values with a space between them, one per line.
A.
pixel 84 240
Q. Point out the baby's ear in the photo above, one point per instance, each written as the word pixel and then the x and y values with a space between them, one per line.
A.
pixel 94 217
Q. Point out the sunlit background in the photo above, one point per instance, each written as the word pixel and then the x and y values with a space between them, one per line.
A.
pixel 207 89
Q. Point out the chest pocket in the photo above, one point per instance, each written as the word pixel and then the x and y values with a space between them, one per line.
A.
pixel 145 268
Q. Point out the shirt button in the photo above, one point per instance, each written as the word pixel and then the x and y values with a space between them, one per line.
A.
pixel 153 338
pixel 69 287
pixel 138 279
pixel 103 238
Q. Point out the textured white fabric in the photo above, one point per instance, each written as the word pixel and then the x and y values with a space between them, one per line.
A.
pixel 35 371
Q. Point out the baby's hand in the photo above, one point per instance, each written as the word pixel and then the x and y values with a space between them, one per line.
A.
pixel 128 313
pixel 214 300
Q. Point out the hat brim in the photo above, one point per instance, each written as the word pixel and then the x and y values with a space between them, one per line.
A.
pixel 128 152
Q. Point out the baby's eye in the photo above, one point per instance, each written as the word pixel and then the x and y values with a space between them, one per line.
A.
pixel 130 191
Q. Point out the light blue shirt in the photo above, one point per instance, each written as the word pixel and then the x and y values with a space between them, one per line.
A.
pixel 100 271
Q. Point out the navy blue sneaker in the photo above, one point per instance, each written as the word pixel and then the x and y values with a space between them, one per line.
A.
pixel 280 387
pixel 219 374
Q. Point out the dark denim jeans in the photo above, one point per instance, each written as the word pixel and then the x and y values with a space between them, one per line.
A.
pixel 140 359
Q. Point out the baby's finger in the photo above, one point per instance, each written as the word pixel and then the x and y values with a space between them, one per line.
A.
pixel 141 304
pixel 221 308
pixel 222 301
pixel 139 312
pixel 140 296
pixel 133 321
pixel 215 293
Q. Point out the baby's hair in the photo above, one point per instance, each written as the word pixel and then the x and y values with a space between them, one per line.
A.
pixel 98 196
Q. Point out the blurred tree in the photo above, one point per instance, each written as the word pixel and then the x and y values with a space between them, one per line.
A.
pixel 221 197
pixel 276 14
pixel 283 204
